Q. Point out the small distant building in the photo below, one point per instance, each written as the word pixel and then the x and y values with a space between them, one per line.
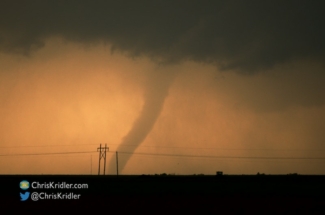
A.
pixel 293 174
pixel 219 173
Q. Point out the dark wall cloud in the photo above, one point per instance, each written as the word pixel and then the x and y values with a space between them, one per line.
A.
pixel 243 35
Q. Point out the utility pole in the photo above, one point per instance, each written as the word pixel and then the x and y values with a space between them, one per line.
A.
pixel 102 154
pixel 116 163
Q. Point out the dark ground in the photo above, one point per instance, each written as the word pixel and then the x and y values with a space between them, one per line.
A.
pixel 226 194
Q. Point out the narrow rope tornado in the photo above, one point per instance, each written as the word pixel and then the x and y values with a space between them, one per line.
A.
pixel 156 91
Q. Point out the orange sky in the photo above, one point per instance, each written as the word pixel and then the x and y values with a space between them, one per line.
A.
pixel 67 97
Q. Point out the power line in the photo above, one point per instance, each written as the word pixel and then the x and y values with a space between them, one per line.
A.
pixel 222 157
pixel 46 146
pixel 216 148
pixel 176 155
pixel 51 153
pixel 171 147
pixel 227 149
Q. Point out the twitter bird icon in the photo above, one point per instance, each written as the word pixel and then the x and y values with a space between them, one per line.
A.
pixel 24 196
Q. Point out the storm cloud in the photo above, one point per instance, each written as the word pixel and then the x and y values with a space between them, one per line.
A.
pixel 247 36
